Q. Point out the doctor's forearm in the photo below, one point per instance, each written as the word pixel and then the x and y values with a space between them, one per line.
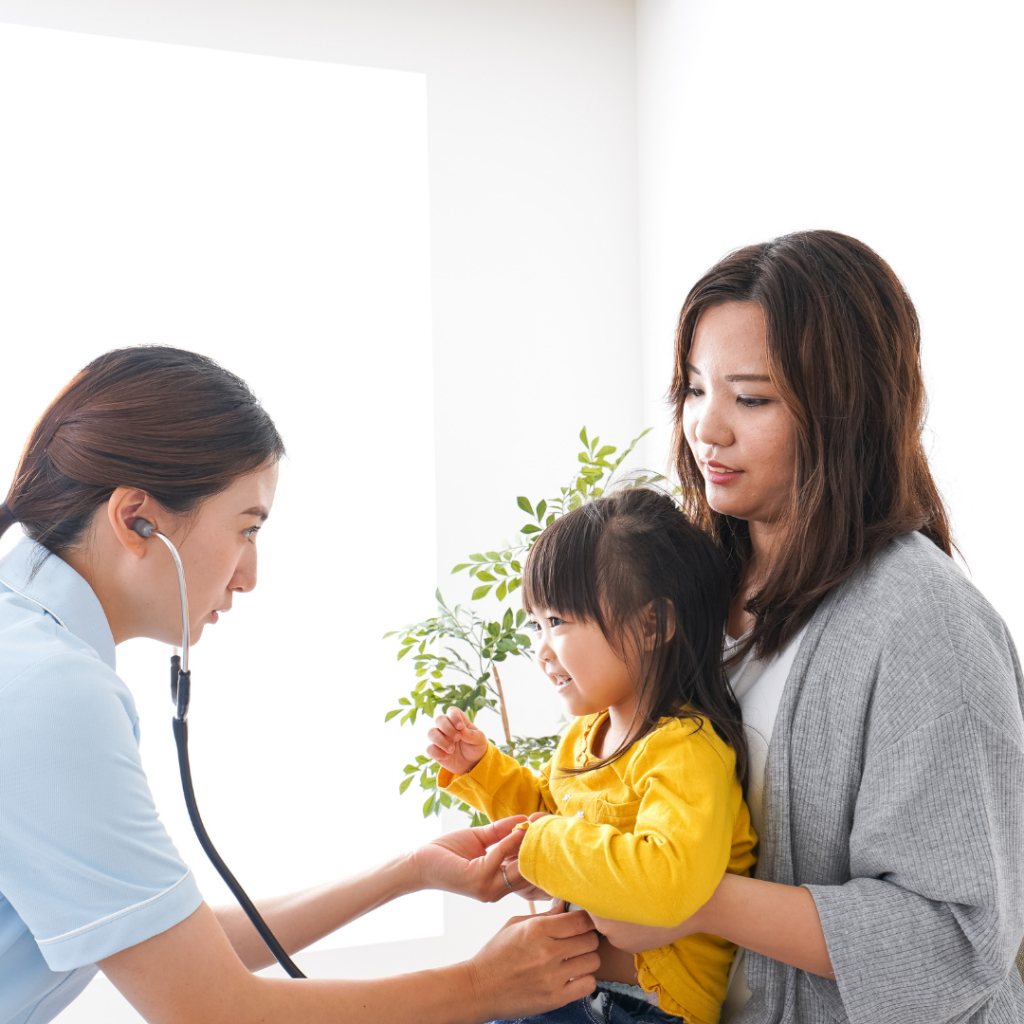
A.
pixel 301 918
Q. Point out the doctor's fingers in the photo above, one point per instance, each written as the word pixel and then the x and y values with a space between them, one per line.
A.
pixel 494 831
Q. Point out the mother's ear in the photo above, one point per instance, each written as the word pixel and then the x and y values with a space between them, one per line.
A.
pixel 126 505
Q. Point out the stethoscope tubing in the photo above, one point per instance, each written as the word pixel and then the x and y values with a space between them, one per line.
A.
pixel 181 690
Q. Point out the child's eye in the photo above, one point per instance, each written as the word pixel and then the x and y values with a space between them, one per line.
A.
pixel 555 622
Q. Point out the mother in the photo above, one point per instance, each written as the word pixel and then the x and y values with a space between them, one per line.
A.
pixel 88 876
pixel 884 689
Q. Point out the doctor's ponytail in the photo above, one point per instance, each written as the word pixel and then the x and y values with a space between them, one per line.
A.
pixel 172 423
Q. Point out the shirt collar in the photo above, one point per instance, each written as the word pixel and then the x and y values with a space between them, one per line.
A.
pixel 48 581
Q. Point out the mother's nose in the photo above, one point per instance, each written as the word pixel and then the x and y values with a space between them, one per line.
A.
pixel 711 425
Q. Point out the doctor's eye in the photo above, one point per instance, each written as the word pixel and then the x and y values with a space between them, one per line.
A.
pixel 250 534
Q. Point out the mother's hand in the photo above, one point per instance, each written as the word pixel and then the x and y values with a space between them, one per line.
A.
pixel 469 861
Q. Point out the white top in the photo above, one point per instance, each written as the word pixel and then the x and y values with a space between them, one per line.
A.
pixel 758 686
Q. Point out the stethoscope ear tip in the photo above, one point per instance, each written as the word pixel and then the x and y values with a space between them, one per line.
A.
pixel 144 528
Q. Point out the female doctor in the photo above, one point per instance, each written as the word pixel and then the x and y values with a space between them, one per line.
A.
pixel 88 876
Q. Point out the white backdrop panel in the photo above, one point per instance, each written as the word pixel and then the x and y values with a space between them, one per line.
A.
pixel 272 214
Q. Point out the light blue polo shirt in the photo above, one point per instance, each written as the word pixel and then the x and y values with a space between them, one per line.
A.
pixel 86 866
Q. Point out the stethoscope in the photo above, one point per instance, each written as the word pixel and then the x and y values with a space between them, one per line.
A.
pixel 181 682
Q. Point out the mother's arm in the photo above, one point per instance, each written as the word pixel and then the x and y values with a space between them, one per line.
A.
pixel 779 921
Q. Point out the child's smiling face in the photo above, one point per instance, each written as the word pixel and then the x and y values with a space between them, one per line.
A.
pixel 588 673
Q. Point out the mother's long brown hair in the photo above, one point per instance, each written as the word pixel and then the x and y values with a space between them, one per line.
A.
pixel 844 352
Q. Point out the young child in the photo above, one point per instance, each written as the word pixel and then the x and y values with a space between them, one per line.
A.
pixel 644 798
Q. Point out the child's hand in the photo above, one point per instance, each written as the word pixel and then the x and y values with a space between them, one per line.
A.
pixel 456 743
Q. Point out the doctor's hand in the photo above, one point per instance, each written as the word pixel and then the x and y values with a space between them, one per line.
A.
pixel 535 964
pixel 519 885
pixel 455 742
pixel 469 861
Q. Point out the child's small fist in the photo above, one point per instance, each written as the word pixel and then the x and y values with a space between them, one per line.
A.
pixel 455 742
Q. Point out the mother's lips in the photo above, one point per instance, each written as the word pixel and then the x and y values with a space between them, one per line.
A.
pixel 719 474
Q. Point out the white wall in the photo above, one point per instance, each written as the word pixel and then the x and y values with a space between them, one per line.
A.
pixel 898 123
pixel 532 131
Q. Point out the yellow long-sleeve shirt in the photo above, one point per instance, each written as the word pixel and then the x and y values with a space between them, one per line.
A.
pixel 644 839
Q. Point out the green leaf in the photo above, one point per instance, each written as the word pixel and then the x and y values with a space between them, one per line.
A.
pixel 530 528
pixel 461 566
pixel 486 576
pixel 405 784
pixel 501 591
pixel 525 505
pixel 390 632
pixel 542 507
pixel 605 451
pixel 478 558
pixel 493 556
pixel 583 437
pixel 391 714
pixel 481 592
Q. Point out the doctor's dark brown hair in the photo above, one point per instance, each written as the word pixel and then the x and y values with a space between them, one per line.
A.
pixel 844 352
pixel 172 423
pixel 658 589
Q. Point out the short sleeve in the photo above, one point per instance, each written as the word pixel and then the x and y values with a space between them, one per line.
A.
pixel 84 858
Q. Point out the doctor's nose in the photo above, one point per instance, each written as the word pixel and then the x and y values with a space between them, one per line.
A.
pixel 244 578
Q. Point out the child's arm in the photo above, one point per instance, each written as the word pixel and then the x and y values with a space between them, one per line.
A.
pixel 476 771
pixel 669 865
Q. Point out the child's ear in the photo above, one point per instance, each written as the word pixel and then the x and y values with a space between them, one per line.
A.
pixel 649 620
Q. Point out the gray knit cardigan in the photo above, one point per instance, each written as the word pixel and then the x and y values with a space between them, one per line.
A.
pixel 894 791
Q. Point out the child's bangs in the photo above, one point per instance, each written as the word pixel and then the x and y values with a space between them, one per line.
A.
pixel 560 574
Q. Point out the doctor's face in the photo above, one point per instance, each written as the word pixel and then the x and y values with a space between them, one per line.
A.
pixel 218 546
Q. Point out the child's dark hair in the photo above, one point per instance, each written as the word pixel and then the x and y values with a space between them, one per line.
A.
pixel 613 559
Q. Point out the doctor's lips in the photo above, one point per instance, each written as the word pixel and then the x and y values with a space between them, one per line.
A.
pixel 716 473
pixel 216 614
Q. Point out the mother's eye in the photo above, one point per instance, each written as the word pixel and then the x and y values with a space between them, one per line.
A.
pixel 752 403
pixel 691 390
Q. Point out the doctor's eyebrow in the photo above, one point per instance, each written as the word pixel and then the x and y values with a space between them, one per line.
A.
pixel 256 510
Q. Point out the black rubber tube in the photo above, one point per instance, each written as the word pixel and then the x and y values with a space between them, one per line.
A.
pixel 275 947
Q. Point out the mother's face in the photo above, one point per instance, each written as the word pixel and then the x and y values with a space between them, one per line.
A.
pixel 741 433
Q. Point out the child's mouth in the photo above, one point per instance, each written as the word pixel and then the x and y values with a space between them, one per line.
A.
pixel 561 681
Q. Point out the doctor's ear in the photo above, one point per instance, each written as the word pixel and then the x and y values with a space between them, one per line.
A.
pixel 126 505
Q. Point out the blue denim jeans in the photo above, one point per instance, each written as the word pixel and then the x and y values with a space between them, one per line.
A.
pixel 602 1007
